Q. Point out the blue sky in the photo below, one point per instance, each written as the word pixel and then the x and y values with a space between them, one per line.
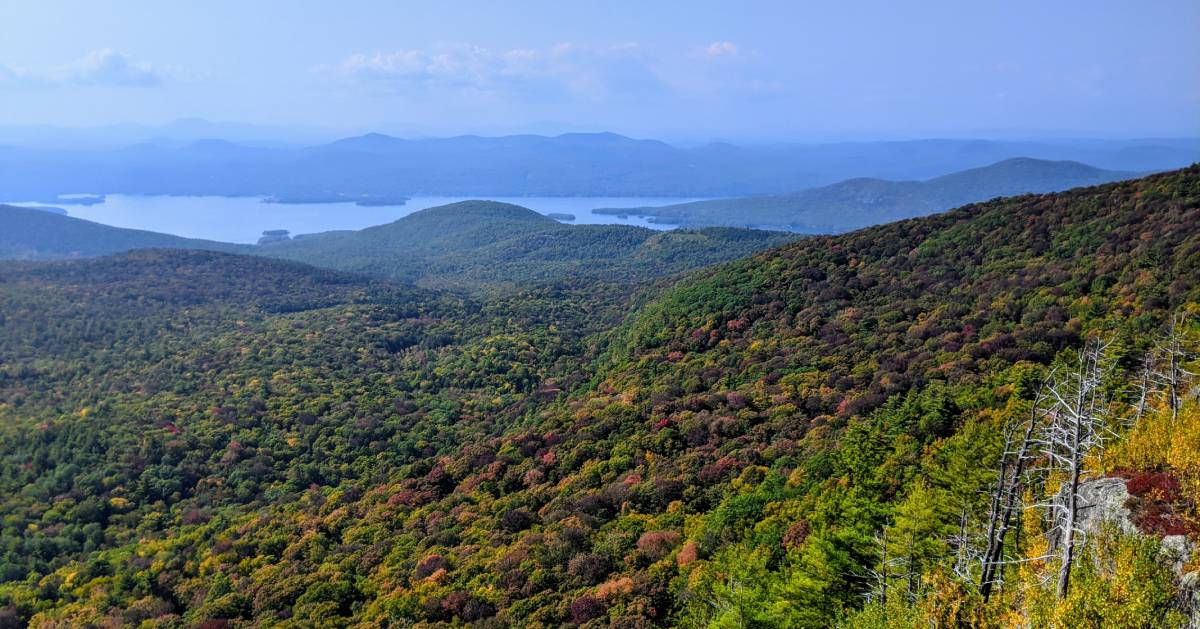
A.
pixel 700 70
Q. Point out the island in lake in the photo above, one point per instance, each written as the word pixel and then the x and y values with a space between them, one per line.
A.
pixel 274 235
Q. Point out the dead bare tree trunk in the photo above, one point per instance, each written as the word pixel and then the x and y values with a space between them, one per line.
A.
pixel 965 554
pixel 911 570
pixel 1006 496
pixel 1145 387
pixel 1173 352
pixel 1173 376
pixel 1074 424
pixel 1163 369
pixel 884 574
pixel 1072 510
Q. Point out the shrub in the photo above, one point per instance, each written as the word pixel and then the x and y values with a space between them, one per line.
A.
pixel 516 520
pixel 586 608
pixel 656 544
pixel 590 568
pixel 430 565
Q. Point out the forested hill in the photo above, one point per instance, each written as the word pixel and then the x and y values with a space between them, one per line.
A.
pixel 862 202
pixel 473 246
pixel 1132 242
pixel 485 245
pixel 803 438
pixel 33 234
pixel 808 402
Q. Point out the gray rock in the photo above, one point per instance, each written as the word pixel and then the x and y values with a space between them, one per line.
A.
pixel 1102 501
pixel 1178 550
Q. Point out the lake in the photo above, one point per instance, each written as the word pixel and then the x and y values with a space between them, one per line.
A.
pixel 243 219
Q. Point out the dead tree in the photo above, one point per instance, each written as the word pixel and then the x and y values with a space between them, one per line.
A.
pixel 880 577
pixel 1073 423
pixel 1170 354
pixel 965 552
pixel 1145 388
pixel 1006 494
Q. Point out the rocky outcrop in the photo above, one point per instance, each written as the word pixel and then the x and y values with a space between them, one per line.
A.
pixel 1104 501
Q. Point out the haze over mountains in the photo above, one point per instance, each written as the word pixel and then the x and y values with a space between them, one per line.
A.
pixel 467 246
pixel 179 131
pixel 480 245
pixel 862 202
pixel 375 166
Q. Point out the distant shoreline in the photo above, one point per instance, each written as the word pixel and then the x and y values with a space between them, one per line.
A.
pixel 319 199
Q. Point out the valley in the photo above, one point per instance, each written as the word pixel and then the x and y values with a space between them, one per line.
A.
pixel 199 436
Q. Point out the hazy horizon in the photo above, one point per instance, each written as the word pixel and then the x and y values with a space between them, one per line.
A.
pixel 774 72
pixel 187 130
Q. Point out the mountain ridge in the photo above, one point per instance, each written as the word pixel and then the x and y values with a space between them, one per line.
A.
pixel 861 202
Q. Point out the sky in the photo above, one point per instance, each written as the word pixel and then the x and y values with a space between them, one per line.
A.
pixel 696 70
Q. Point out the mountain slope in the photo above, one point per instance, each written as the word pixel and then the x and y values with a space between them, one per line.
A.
pixel 33 234
pixel 813 397
pixel 858 203
pixel 753 429
pixel 737 453
pixel 484 244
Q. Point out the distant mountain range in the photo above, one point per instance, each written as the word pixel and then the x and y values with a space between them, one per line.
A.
pixel 470 246
pixel 857 203
pixel 375 167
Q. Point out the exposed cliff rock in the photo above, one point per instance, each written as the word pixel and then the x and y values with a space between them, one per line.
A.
pixel 1106 502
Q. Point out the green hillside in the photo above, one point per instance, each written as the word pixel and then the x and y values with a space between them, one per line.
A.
pixel 802 438
pixel 858 203
pixel 32 234
pixel 473 246
pixel 485 244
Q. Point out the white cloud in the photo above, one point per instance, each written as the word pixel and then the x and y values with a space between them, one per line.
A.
pixel 98 68
pixel 721 49
pixel 613 76
pixel 13 77
pixel 557 71
pixel 107 67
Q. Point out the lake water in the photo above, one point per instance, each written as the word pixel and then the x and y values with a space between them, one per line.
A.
pixel 243 219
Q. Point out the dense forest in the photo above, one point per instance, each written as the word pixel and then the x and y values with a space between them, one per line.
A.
pixel 899 426
pixel 487 246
